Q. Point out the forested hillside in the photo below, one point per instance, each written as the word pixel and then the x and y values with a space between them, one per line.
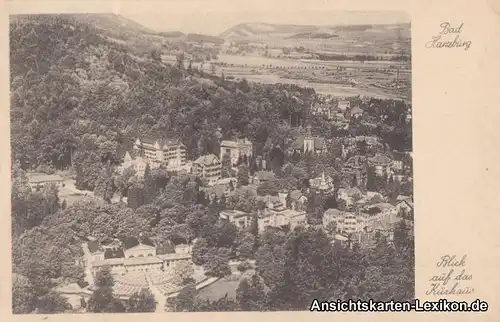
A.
pixel 73 88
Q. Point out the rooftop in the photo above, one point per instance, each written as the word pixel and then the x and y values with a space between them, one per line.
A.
pixel 351 191
pixel 94 247
pixel 234 213
pixel 296 194
pixel 356 110
pixel 174 256
pixel 105 262
pixel 264 175
pixel 42 177
pixel 333 212
pixel 207 159
pixel 130 242
pixel 142 260
pixel 114 253
pixel 380 159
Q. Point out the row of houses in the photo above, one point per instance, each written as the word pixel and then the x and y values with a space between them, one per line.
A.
pixel 275 214
pixel 342 110
pixel 171 154
pixel 380 216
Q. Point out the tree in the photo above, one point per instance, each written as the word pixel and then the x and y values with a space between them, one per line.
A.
pixel 142 301
pixel 200 249
pixel 245 247
pixel 104 186
pixel 23 295
pixel 268 188
pixel 102 299
pixel 216 263
pixel 250 294
pixel 332 226
pixel 53 303
pixel 122 181
pixel 226 170
pixel 222 234
pixel 224 304
pixel 180 61
pixel 135 197
pixel 185 300
pixel 156 55
pixel 149 186
pixel 243 178
pixel 183 271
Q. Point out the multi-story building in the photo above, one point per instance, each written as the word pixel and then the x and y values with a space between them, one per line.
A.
pixel 208 167
pixel 344 105
pixel 381 164
pixel 169 153
pixel 239 218
pixel 324 110
pixel 309 143
pixel 345 222
pixel 277 215
pixel 349 196
pixel 236 149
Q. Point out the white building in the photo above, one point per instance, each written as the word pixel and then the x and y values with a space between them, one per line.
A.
pixel 208 167
pixel 239 218
pixel 40 180
pixel 236 149
pixel 169 153
pixel 344 105
pixel 277 215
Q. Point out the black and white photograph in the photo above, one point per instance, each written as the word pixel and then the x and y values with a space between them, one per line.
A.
pixel 169 161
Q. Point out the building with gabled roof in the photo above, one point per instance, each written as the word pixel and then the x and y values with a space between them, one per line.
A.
pixel 262 176
pixel 309 143
pixel 39 180
pixel 208 167
pixel 277 215
pixel 240 219
pixel 354 111
pixel 343 105
pixel 169 153
pixel 381 163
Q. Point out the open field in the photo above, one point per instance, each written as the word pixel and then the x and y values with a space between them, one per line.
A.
pixel 336 78
pixel 220 288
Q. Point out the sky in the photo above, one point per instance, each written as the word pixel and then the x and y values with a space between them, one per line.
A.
pixel 215 16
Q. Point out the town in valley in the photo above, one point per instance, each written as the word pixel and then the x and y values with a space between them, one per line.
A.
pixel 162 171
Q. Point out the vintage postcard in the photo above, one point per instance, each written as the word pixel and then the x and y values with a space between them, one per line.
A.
pixel 281 157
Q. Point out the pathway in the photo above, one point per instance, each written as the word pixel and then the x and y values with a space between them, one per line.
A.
pixel 159 296
pixel 89 278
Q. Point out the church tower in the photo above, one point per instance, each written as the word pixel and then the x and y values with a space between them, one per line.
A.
pixel 308 141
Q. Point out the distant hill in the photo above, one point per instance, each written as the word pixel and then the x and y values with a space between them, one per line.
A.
pixel 171 34
pixel 259 30
pixel 313 35
pixel 204 38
